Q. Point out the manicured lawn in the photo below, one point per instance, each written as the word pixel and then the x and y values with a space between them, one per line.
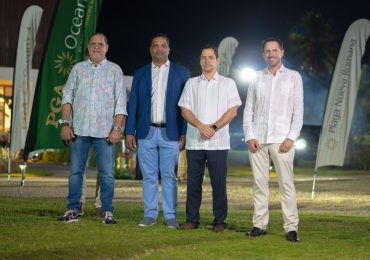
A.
pixel 29 230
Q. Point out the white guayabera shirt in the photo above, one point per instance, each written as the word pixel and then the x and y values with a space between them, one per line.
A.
pixel 208 101
pixel 159 88
pixel 274 107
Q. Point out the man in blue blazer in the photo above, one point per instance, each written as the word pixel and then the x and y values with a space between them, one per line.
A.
pixel 156 127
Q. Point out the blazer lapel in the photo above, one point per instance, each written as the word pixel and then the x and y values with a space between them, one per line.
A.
pixel 171 75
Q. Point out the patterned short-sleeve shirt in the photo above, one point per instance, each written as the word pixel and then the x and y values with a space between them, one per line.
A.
pixel 97 94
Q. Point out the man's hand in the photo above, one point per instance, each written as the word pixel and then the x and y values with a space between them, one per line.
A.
pixel 253 145
pixel 206 131
pixel 130 142
pixel 182 142
pixel 67 135
pixel 286 145
pixel 114 136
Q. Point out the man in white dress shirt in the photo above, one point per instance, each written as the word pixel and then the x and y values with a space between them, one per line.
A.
pixel 273 118
pixel 209 103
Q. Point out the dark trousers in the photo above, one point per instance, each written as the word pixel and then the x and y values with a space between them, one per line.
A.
pixel 217 168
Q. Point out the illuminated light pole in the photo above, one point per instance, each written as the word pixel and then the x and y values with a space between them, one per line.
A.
pixel 247 74
pixel 23 168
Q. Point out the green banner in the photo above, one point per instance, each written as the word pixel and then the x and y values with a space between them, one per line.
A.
pixel 74 22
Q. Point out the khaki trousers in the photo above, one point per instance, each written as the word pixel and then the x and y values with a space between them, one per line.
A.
pixel 97 202
pixel 283 163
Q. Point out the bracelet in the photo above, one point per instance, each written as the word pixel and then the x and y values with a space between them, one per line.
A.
pixel 118 128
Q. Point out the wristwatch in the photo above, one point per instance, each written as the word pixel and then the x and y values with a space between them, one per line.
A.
pixel 64 122
pixel 214 127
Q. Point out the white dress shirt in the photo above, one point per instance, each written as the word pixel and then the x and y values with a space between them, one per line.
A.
pixel 208 101
pixel 274 107
pixel 159 87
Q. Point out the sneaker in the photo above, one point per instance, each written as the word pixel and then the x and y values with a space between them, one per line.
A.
pixel 172 223
pixel 146 222
pixel 108 218
pixel 70 216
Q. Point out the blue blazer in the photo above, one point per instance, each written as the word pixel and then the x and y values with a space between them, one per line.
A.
pixel 139 105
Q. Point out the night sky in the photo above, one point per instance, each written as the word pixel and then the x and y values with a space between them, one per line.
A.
pixel 192 24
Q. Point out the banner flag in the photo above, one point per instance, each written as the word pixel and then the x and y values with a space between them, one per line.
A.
pixel 226 51
pixel 74 22
pixel 23 87
pixel 342 96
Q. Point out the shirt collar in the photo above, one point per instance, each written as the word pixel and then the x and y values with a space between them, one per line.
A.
pixel 280 70
pixel 167 64
pixel 215 77
pixel 104 61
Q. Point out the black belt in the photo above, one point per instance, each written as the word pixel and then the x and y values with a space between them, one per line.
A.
pixel 159 125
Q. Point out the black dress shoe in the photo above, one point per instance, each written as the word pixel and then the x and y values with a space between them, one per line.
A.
pixel 255 232
pixel 292 236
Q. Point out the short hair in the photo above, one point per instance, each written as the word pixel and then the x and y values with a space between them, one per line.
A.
pixel 102 34
pixel 160 35
pixel 272 39
pixel 210 46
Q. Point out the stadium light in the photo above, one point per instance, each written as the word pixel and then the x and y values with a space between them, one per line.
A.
pixel 247 74
pixel 300 144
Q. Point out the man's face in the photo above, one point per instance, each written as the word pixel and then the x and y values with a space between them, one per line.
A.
pixel 208 61
pixel 97 48
pixel 272 54
pixel 159 50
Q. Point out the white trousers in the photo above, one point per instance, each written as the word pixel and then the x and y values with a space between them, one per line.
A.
pixel 283 163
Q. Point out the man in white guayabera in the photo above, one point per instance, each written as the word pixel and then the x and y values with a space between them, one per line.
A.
pixel 272 121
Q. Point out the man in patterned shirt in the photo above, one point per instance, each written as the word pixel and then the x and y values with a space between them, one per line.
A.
pixel 273 118
pixel 93 114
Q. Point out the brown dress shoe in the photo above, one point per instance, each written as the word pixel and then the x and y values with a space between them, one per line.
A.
pixel 188 226
pixel 219 228
pixel 99 213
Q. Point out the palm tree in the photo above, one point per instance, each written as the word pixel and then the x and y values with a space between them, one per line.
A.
pixel 313 41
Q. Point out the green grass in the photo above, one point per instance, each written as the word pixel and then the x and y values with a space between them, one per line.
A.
pixel 29 230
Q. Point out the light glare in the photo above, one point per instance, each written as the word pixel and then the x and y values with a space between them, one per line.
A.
pixel 247 74
pixel 300 144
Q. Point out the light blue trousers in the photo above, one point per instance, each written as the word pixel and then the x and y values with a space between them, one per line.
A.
pixel 157 153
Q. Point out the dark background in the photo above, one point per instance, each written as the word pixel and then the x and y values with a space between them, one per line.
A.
pixel 191 24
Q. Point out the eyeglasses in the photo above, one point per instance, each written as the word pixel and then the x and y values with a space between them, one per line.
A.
pixel 98 44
